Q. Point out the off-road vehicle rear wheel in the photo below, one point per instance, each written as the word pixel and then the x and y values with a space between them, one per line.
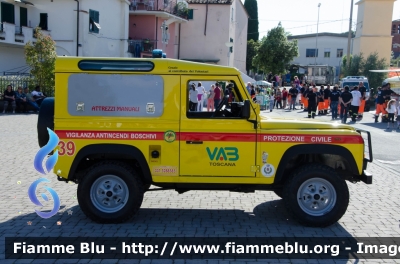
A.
pixel 316 196
pixel 110 192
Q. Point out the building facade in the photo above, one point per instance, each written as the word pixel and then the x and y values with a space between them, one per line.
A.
pixel 100 33
pixel 329 50
pixel 156 24
pixel 190 30
pixel 396 38
pixel 373 33
pixel 217 33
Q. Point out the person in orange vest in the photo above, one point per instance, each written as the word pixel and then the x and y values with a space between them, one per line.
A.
pixel 327 93
pixel 363 91
pixel 321 103
pixel 380 100
pixel 306 90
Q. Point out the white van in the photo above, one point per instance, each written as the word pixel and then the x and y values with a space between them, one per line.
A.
pixel 352 81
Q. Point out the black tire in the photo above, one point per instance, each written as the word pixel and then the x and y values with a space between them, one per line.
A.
pixel 146 187
pixel 322 173
pixel 279 192
pixel 45 120
pixel 126 174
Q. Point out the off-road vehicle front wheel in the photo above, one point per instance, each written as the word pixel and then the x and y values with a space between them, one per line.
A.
pixel 316 195
pixel 110 192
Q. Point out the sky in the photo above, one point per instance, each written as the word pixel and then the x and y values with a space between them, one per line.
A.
pixel 300 17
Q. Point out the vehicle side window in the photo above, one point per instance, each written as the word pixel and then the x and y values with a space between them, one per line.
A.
pixel 213 99
pixel 115 95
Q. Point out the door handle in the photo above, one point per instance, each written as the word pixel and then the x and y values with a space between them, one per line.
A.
pixel 194 142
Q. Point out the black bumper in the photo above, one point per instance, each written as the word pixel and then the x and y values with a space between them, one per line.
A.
pixel 366 177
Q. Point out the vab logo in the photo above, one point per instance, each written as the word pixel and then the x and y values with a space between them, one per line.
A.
pixel 50 163
pixel 223 154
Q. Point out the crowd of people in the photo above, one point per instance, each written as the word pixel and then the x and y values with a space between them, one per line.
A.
pixel 386 106
pixel 20 99
pixel 197 96
pixel 342 103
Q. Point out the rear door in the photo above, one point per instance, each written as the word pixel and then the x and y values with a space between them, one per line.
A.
pixel 211 144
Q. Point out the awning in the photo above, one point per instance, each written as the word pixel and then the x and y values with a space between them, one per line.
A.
pixel 247 78
pixel 24 2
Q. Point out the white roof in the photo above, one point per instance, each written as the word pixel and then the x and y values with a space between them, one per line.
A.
pixel 348 78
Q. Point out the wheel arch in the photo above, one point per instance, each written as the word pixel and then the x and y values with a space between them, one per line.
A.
pixel 45 120
pixel 313 149
pixel 114 152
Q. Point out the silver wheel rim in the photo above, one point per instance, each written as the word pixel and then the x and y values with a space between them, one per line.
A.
pixel 316 197
pixel 109 193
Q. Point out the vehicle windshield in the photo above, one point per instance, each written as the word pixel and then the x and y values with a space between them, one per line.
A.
pixel 352 84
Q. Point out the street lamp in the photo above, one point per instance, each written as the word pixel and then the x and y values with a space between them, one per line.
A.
pixel 316 46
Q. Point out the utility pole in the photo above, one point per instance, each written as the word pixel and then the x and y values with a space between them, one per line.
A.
pixel 349 36
pixel 77 28
pixel 316 47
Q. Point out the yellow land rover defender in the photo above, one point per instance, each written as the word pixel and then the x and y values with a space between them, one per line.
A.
pixel 126 124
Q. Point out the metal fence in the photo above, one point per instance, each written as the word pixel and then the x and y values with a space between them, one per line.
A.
pixel 21 81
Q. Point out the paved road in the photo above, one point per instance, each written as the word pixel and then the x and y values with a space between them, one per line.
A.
pixel 373 209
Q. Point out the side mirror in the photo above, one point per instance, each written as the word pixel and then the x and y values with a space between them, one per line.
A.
pixel 246 109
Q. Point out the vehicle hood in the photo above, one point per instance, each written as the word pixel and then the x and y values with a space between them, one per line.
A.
pixel 299 123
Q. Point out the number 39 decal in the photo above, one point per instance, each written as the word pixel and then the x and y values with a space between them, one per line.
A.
pixel 66 148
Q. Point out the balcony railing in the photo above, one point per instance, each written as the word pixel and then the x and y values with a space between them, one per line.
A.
pixel 11 34
pixel 18 30
pixel 174 7
pixel 137 47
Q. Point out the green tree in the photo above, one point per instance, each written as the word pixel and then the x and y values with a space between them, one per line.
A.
pixel 252 49
pixel 360 66
pixel 275 51
pixel 394 61
pixel 373 62
pixel 41 57
pixel 252 26
pixel 356 65
pixel 343 67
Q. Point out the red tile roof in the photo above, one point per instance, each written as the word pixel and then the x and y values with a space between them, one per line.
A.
pixel 209 1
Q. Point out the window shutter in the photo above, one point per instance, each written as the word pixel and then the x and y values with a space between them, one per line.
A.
pixel 91 20
pixel 190 13
pixel 94 16
pixel 7 13
pixel 23 16
pixel 97 18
